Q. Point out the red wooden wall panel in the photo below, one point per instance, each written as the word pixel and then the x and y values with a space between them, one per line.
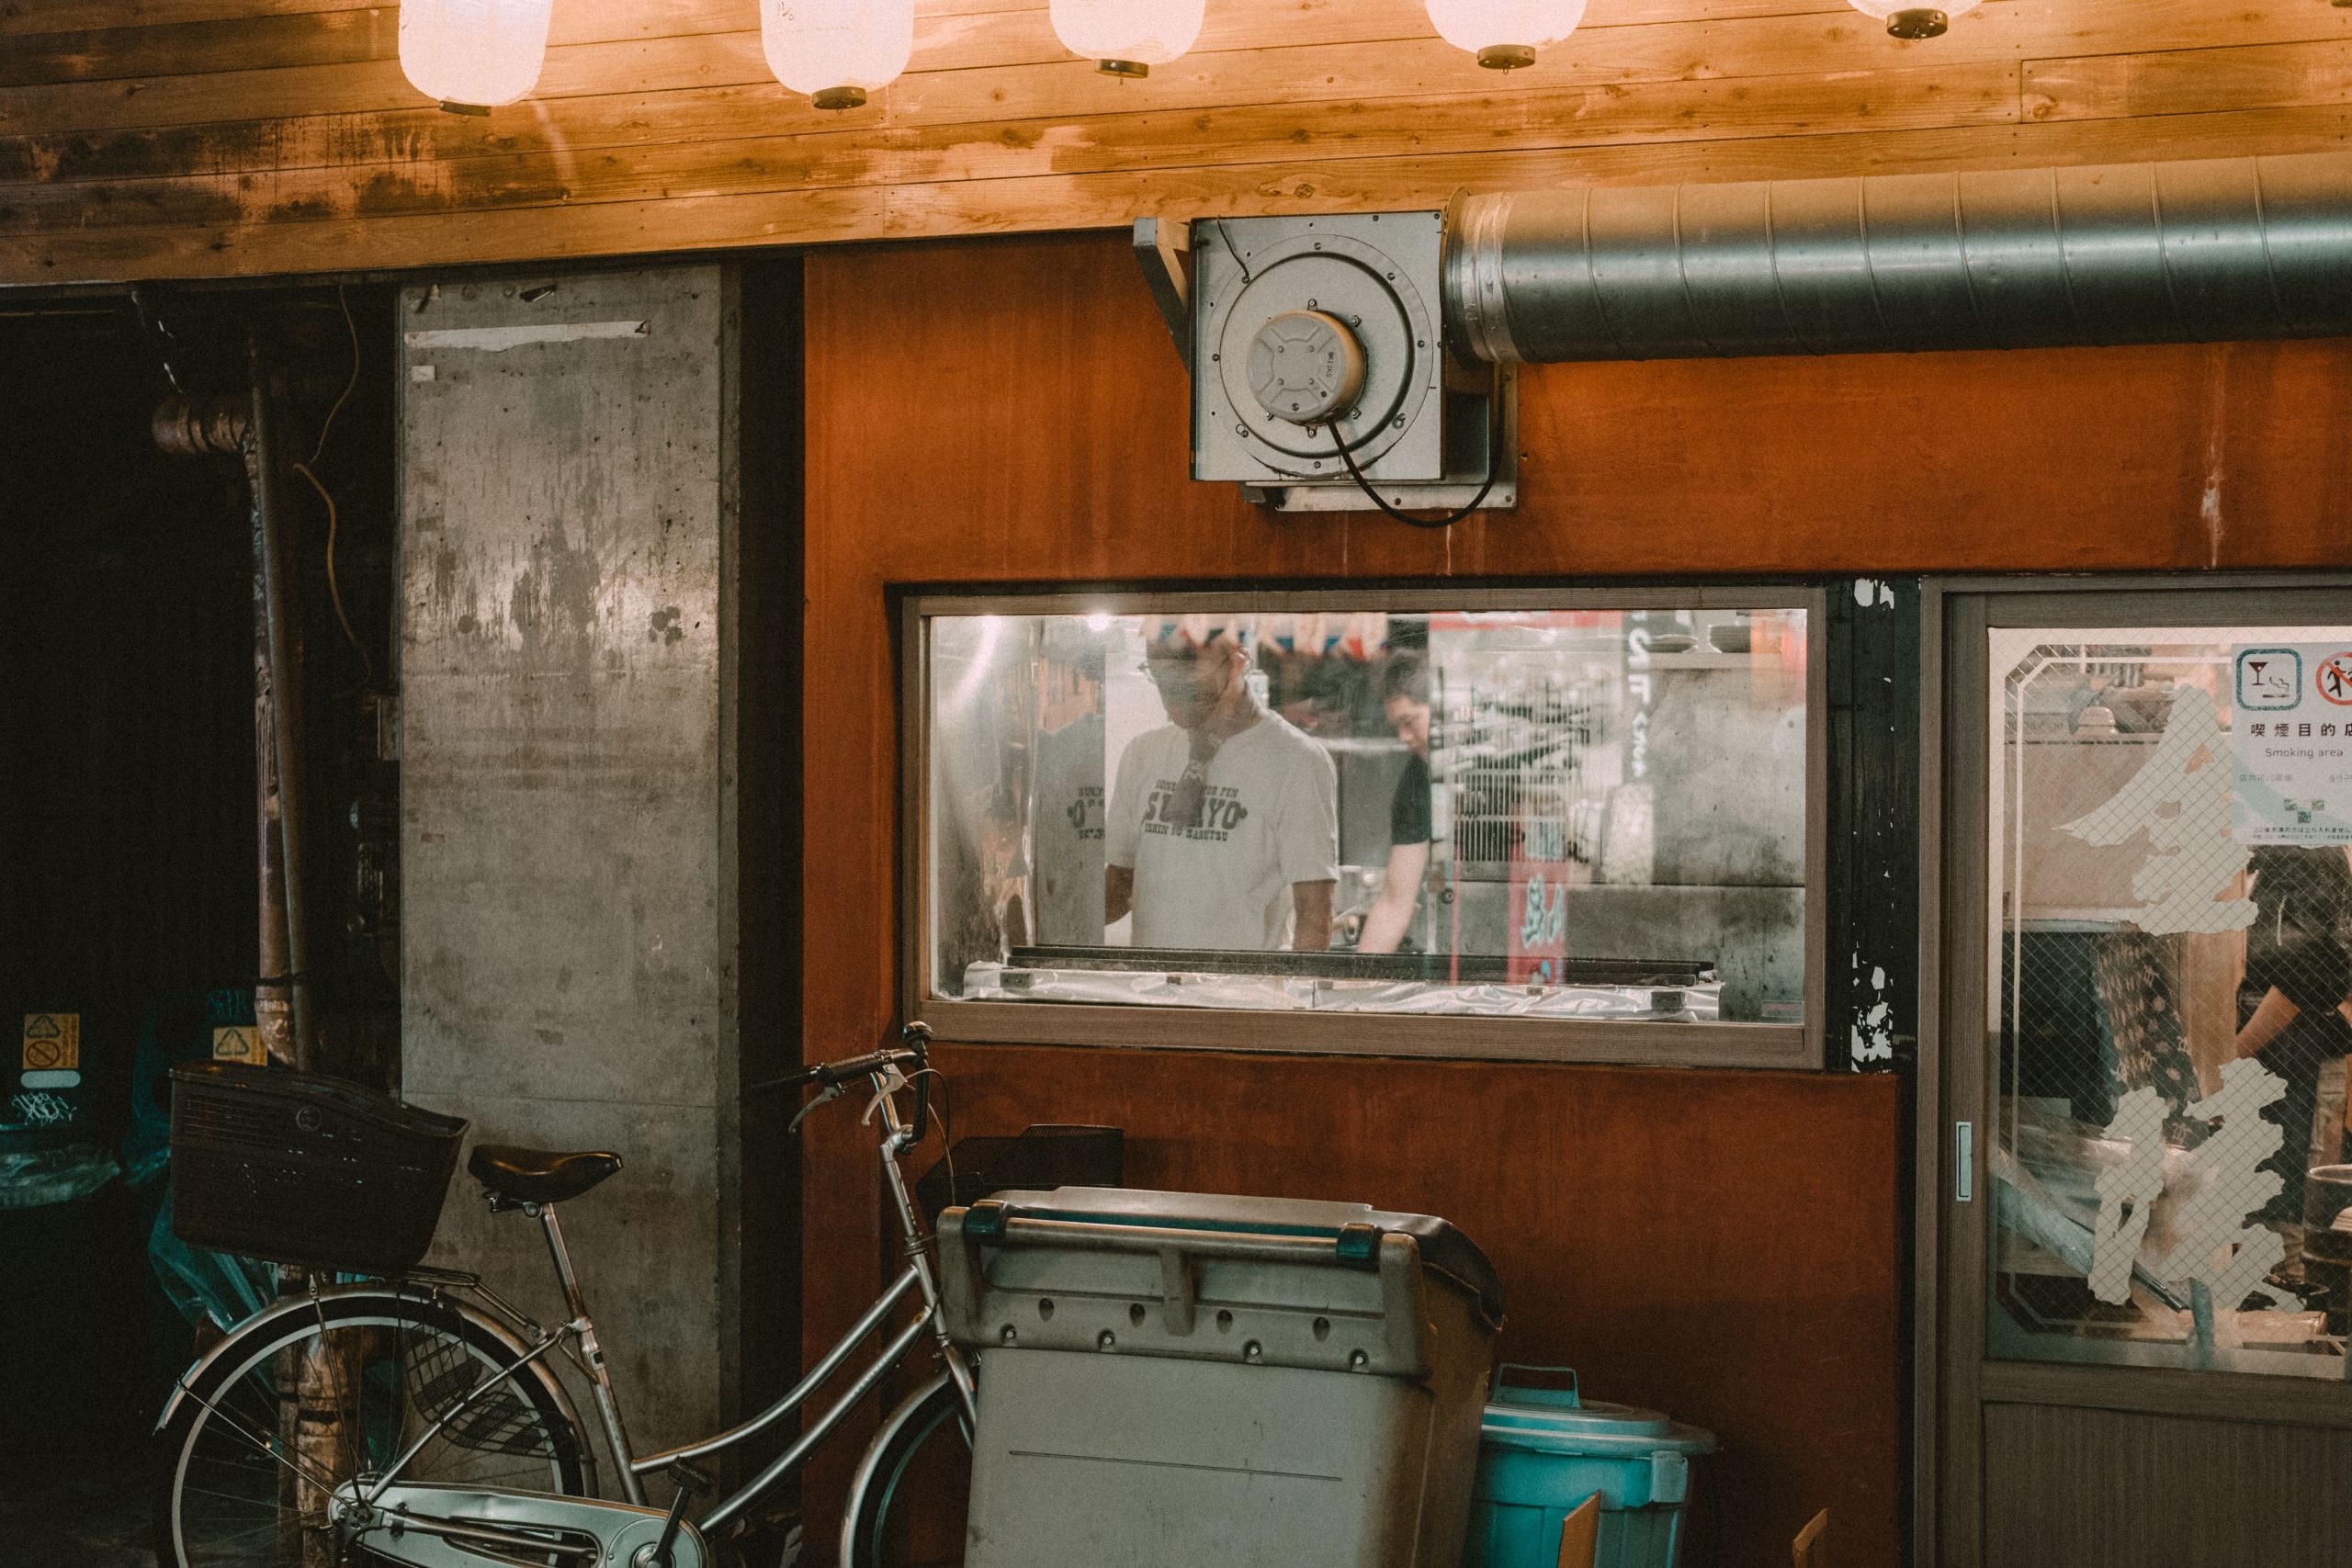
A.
pixel 1724 1245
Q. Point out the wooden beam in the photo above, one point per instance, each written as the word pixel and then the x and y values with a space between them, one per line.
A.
pixel 1658 111
pixel 1113 198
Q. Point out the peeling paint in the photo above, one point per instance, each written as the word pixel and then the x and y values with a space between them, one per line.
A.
pixel 1873 1036
pixel 1869 590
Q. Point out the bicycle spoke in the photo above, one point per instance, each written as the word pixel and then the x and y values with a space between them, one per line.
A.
pixel 248 1492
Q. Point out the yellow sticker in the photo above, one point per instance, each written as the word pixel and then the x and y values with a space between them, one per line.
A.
pixel 239 1046
pixel 52 1041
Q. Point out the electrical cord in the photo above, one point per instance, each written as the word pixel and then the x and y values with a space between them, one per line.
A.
pixel 943 1111
pixel 335 589
pixel 1448 521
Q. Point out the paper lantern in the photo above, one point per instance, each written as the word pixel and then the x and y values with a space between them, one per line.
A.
pixel 1905 19
pixel 1504 34
pixel 837 50
pixel 1127 37
pixel 472 54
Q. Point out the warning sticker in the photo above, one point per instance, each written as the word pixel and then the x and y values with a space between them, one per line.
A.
pixel 242 1045
pixel 52 1041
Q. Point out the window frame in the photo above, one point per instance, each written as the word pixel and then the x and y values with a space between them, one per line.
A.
pixel 1782 1046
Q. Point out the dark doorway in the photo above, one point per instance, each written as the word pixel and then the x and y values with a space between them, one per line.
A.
pixel 128 818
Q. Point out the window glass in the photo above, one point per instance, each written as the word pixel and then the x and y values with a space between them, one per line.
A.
pixel 1578 813
pixel 2171 971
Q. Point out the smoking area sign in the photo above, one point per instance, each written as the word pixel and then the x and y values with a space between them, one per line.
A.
pixel 52 1043
pixel 2290 742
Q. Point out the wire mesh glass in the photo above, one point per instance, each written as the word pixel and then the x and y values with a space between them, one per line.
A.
pixel 2171 982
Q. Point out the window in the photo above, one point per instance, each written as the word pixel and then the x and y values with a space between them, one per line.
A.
pixel 2169 882
pixel 1474 823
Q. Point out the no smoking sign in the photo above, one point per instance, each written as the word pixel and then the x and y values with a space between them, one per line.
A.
pixel 2334 679
pixel 52 1041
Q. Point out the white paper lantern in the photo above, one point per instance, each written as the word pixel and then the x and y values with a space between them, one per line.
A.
pixel 472 54
pixel 1504 34
pixel 837 50
pixel 1907 19
pixel 1127 37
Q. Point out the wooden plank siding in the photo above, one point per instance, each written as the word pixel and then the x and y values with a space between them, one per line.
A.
pixel 205 138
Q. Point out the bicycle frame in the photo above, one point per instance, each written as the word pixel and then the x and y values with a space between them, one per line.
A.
pixel 513 1520
pixel 919 1279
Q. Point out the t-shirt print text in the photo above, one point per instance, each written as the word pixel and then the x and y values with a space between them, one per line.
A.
pixel 1221 812
pixel 1085 813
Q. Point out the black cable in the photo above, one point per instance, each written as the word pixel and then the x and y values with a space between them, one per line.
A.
pixel 1494 467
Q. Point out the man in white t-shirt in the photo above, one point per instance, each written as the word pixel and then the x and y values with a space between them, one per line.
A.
pixel 1067 826
pixel 1223 828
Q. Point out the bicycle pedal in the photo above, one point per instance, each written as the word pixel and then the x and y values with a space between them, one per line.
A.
pixel 688 1480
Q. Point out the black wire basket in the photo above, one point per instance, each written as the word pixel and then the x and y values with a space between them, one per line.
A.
pixel 298 1168
pixel 442 1375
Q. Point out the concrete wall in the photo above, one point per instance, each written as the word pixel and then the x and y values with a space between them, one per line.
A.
pixel 569 826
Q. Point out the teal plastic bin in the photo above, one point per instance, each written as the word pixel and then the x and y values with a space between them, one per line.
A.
pixel 1543 1450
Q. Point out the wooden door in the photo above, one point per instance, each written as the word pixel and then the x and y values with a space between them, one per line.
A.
pixel 2146 969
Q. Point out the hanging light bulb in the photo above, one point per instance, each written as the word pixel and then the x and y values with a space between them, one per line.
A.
pixel 1127 37
pixel 1504 34
pixel 472 54
pixel 837 50
pixel 1905 19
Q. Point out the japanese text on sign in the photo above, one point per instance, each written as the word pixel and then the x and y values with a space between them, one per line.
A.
pixel 2292 744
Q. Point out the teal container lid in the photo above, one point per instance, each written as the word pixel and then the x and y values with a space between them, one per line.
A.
pixel 1560 1421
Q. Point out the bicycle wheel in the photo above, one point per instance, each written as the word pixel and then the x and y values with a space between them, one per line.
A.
pixel 908 1503
pixel 291 1407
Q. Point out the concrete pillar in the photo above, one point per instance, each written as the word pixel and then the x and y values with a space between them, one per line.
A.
pixel 569 843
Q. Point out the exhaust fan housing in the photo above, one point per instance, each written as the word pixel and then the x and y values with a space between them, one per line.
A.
pixel 1305 331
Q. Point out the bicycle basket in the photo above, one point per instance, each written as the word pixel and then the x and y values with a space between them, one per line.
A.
pixel 298 1168
pixel 440 1371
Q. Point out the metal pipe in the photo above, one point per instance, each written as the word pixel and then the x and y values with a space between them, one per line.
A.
pixel 273 1002
pixel 2183 252
pixel 201 428
pixel 284 617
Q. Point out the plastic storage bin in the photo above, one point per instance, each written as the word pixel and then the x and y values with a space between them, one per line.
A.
pixel 1170 1380
pixel 1545 1450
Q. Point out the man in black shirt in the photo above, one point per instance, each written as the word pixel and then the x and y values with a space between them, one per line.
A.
pixel 1405 696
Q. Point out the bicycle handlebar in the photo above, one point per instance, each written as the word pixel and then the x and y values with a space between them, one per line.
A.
pixel 914 1054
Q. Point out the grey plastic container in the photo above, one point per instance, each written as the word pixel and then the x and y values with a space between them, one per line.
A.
pixel 1175 1380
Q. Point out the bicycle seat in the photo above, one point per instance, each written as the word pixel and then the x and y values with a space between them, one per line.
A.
pixel 538 1176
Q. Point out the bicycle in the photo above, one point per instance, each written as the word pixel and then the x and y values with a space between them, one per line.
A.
pixel 417 1418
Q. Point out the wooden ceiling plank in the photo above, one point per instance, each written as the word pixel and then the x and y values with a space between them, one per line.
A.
pixel 197 48
pixel 943 41
pixel 578 126
pixel 1983 93
pixel 42 15
pixel 2188 81
pixel 1057 202
pixel 1063 89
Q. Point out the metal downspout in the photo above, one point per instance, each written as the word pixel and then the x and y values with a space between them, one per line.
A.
pixel 281 629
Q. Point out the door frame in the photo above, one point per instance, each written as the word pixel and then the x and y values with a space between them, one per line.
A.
pixel 1953 1380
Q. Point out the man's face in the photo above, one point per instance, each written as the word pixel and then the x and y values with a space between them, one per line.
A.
pixel 1191 682
pixel 1410 720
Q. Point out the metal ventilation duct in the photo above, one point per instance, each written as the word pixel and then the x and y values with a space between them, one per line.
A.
pixel 2140 253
